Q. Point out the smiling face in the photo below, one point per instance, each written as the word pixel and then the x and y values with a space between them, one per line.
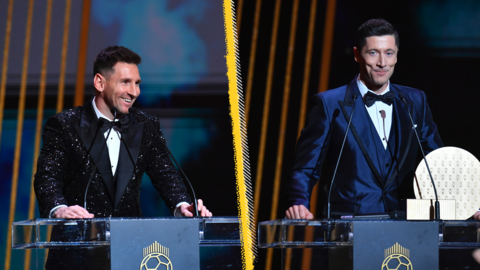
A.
pixel 377 61
pixel 117 89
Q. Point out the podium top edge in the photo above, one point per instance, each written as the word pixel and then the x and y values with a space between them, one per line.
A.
pixel 224 219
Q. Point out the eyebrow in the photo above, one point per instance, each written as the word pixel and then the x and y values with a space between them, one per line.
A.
pixel 389 49
pixel 130 79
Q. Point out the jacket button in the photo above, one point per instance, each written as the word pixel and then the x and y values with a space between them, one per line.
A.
pixel 385 192
pixel 388 165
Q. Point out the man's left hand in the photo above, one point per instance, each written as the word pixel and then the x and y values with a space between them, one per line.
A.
pixel 187 210
pixel 476 216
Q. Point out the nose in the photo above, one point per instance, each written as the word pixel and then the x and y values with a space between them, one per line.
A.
pixel 134 90
pixel 381 60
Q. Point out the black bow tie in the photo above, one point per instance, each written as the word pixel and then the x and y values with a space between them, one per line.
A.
pixel 121 125
pixel 370 98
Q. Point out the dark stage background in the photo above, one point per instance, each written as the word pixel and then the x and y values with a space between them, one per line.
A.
pixel 439 54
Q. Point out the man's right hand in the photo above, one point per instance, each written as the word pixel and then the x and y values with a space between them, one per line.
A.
pixel 298 212
pixel 72 212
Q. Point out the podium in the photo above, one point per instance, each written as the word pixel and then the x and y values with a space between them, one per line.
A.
pixel 133 243
pixel 370 244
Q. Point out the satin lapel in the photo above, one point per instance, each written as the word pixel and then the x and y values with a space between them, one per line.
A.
pixel 404 130
pixel 86 131
pixel 129 150
pixel 360 125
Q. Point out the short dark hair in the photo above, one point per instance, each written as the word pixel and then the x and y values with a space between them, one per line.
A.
pixel 375 27
pixel 111 55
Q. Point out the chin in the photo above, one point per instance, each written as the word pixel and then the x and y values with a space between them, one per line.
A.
pixel 381 82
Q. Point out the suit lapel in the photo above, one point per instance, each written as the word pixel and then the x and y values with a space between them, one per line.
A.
pixel 129 150
pixel 94 142
pixel 361 125
pixel 403 130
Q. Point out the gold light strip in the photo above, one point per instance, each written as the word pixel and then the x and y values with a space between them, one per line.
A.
pixel 288 253
pixel 82 54
pixel 327 46
pixel 18 144
pixel 307 252
pixel 6 50
pixel 307 68
pixel 63 65
pixel 251 67
pixel 283 121
pixel 283 118
pixel 266 110
pixel 266 105
pixel 239 16
pixel 324 76
pixel 61 83
pixel 38 130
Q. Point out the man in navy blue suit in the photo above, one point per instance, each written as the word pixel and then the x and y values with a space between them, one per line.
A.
pixel 377 165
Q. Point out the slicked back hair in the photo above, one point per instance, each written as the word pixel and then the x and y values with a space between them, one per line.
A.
pixel 375 27
pixel 111 55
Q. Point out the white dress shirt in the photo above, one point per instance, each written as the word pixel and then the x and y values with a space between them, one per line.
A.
pixel 382 126
pixel 113 142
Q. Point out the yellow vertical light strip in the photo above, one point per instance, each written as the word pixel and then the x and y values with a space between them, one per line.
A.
pixel 283 126
pixel 18 144
pixel 324 76
pixel 38 130
pixel 63 65
pixel 327 46
pixel 266 108
pixel 307 253
pixel 82 54
pixel 237 113
pixel 251 66
pixel 239 16
pixel 307 68
pixel 266 111
pixel 288 253
pixel 6 50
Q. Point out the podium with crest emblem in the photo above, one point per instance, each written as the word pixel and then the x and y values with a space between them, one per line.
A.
pixel 135 243
pixel 379 244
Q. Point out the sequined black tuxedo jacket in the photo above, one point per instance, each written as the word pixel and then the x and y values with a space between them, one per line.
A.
pixel 64 167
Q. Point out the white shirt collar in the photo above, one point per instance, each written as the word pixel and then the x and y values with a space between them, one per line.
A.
pixel 98 113
pixel 363 88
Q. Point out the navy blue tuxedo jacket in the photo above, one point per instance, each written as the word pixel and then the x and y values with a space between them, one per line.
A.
pixel 369 179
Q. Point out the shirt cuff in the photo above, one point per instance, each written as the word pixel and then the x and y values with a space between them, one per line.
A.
pixel 177 212
pixel 54 209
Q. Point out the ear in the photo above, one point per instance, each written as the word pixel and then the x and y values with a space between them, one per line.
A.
pixel 356 54
pixel 99 82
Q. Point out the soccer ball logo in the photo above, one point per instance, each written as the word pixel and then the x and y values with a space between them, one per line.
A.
pixel 156 261
pixel 397 262
pixel 155 257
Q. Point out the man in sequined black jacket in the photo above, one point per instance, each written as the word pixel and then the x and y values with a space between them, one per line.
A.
pixel 72 143
pixel 64 166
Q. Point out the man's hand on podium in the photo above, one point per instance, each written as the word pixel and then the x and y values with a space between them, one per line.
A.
pixel 72 212
pixel 476 216
pixel 187 210
pixel 298 212
pixel 476 255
